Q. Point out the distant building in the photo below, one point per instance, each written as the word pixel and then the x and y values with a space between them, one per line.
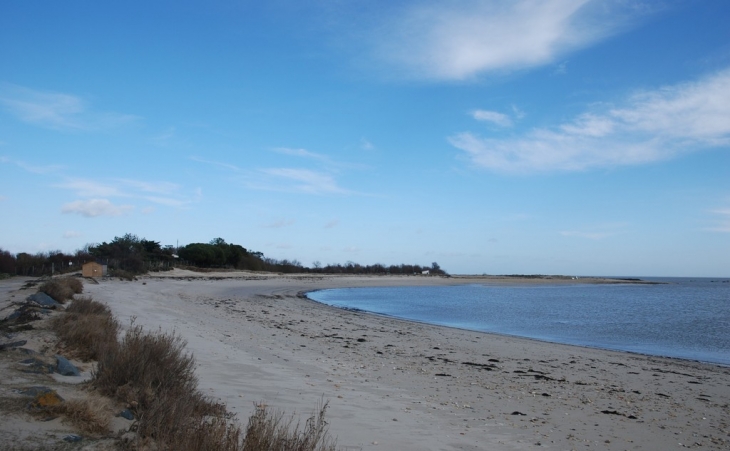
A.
pixel 93 269
pixel 426 272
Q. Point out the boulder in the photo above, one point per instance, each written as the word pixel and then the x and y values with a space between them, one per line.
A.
pixel 43 300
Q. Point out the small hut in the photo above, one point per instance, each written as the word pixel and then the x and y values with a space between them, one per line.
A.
pixel 93 269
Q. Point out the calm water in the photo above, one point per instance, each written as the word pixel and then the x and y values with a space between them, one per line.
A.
pixel 686 318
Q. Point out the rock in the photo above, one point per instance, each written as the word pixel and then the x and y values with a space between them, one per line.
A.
pixel 34 391
pixel 72 438
pixel 37 366
pixel 126 414
pixel 43 300
pixel 65 368
pixel 47 399
pixel 14 344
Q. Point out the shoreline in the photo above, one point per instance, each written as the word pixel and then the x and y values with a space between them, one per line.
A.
pixel 397 384
pixel 304 295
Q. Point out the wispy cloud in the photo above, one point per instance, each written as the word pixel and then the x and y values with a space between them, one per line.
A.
pixel 649 126
pixel 219 164
pixel 366 144
pixel 493 117
pixel 91 188
pixel 32 168
pixel 280 223
pixel 157 192
pixel 289 179
pixel 57 111
pixel 721 220
pixel 304 153
pixel 92 208
pixel 304 181
pixel 457 40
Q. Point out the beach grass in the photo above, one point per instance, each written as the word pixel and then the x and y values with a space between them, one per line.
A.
pixel 152 375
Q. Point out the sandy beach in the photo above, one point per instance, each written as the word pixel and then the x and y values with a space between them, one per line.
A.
pixel 398 385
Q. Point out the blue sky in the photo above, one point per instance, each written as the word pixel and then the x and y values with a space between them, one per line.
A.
pixel 581 137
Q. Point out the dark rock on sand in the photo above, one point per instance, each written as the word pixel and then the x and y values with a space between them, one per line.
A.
pixel 43 300
pixel 66 368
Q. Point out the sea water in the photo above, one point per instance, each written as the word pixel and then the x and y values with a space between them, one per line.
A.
pixel 680 317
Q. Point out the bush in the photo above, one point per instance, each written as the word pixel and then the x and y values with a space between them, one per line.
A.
pixel 74 283
pixel 62 289
pixel 268 431
pixel 88 329
pixel 144 365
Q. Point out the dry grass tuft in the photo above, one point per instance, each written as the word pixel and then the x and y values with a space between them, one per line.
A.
pixel 62 289
pixel 188 422
pixel 87 416
pixel 144 366
pixel 152 373
pixel 88 329
pixel 88 306
pixel 268 431
pixel 75 284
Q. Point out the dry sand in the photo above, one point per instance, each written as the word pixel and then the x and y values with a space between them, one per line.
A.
pixel 398 385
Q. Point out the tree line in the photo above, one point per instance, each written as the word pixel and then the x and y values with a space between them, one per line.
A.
pixel 139 255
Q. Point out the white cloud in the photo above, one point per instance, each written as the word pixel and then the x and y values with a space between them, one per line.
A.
pixel 492 116
pixel 162 193
pixel 459 39
pixel 305 180
pixel 92 208
pixel 57 111
pixel 304 153
pixel 649 126
pixel 71 234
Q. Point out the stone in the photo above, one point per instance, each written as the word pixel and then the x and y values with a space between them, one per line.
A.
pixel 43 300
pixel 34 391
pixel 65 368
pixel 72 438
pixel 47 399
pixel 127 414
pixel 15 344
